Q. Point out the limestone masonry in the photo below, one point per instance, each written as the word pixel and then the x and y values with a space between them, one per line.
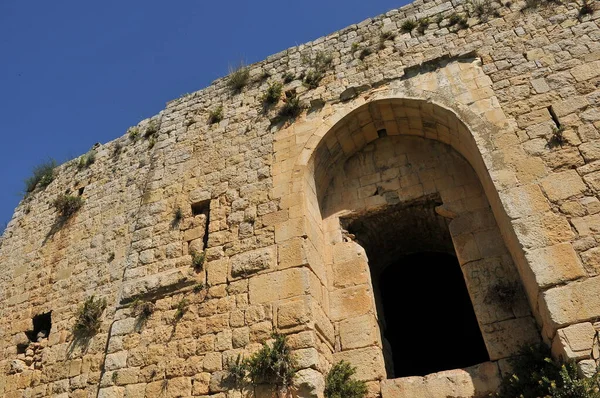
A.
pixel 475 132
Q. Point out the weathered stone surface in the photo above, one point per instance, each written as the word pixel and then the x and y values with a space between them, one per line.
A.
pixel 468 118
pixel 254 261
pixel 563 185
pixel 574 302
pixel 477 381
pixel 368 362
pixel 279 285
pixel 575 341
pixel 555 264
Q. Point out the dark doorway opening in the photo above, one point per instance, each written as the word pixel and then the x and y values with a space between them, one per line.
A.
pixel 426 317
pixel 430 321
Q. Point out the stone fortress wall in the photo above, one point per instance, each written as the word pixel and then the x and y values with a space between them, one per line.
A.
pixel 489 131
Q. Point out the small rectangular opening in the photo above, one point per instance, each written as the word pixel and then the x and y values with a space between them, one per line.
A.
pixel 382 133
pixel 199 208
pixel 80 191
pixel 42 324
pixel 203 208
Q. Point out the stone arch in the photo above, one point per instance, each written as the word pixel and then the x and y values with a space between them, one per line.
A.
pixel 342 136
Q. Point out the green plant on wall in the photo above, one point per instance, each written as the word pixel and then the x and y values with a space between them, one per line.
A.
pixel 339 382
pixel 198 258
pixel 534 374
pixel 180 310
pixel 272 364
pixel 41 177
pixel 238 78
pixel 318 66
pixel 291 109
pixel 133 133
pixel 216 115
pixel 86 160
pixel 272 94
pixel 408 25
pixel 151 129
pixel 89 316
pixel 67 205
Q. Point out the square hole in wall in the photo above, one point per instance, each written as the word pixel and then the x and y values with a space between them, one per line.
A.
pixel 199 208
pixel 42 324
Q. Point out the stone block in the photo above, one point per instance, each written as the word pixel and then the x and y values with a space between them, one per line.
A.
pixel 279 285
pixel 359 332
pixel 179 387
pixel 575 341
pixel 504 339
pixel 560 186
pixel 524 201
pixel 351 302
pixel 111 392
pixel 555 264
pixel 116 361
pixel 543 229
pixel 587 225
pixel 295 313
pixel 309 383
pixel 351 273
pixel 368 362
pixel 123 327
pixel 474 382
pixel 213 362
pixel 306 358
pixel 586 71
pixel 575 302
pixel 292 253
pixel 216 272
pixel 253 261
pixel 563 108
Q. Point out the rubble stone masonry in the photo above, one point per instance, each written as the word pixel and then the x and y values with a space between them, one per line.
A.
pixel 494 120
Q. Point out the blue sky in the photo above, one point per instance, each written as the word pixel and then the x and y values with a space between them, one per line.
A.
pixel 73 73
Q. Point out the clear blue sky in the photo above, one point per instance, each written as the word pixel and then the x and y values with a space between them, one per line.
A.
pixel 73 73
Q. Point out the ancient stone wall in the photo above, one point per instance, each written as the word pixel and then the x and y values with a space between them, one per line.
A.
pixel 503 117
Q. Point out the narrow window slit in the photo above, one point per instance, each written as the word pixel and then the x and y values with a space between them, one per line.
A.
pixel 553 116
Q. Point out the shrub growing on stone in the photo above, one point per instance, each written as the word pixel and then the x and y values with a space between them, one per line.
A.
pixel 408 25
pixel 318 66
pixel 272 364
pixel 151 129
pixel 340 384
pixel 198 259
pixel 291 108
pixel 423 23
pixel 41 177
pixel 587 8
pixel 557 138
pixel 288 77
pixel 133 133
pixel 88 317
pixel 142 309
pixel 86 160
pixel 198 287
pixel 273 93
pixel 236 372
pixel 365 52
pixel 181 309
pixel 238 78
pixel 216 115
pixel 535 374
pixel 67 205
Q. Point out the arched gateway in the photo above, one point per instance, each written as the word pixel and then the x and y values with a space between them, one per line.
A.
pixel 393 195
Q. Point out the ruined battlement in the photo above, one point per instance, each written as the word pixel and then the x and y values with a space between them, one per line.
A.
pixel 444 152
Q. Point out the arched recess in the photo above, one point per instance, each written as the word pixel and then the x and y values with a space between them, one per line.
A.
pixel 458 196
